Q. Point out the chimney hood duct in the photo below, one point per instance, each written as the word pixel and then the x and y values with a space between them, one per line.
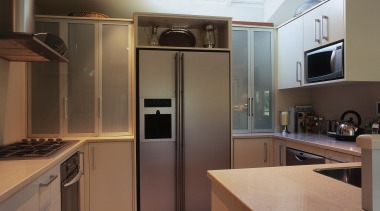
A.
pixel 18 42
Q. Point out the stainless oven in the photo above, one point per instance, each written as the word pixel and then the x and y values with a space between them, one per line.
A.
pixel 70 176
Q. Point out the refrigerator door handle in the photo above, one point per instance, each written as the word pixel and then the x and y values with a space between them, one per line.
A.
pixel 179 128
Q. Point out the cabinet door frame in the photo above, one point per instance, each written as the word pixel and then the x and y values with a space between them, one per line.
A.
pixel 103 153
pixel 233 84
pixel 249 158
pixel 63 80
pixel 288 75
pixel 100 79
pixel 62 69
pixel 251 66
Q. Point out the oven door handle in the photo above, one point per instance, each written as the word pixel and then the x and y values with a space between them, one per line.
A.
pixel 76 179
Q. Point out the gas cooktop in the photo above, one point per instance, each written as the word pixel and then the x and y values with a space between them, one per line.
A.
pixel 33 148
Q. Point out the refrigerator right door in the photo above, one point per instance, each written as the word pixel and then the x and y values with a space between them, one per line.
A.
pixel 206 123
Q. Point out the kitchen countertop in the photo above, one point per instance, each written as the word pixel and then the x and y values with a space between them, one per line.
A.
pixel 16 174
pixel 312 139
pixel 285 188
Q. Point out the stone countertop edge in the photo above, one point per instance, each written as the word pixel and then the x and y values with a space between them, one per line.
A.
pixel 311 139
pixel 16 174
pixel 368 141
pixel 298 186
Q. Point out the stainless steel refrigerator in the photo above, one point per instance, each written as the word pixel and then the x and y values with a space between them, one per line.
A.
pixel 184 127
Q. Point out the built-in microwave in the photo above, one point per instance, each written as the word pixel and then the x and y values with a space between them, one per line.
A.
pixel 325 63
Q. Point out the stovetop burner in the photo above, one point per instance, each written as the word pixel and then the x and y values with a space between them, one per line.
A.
pixel 33 148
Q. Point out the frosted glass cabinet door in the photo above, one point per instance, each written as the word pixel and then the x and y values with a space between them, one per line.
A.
pixel 263 81
pixel 43 92
pixel 252 80
pixel 81 79
pixel 240 83
pixel 114 78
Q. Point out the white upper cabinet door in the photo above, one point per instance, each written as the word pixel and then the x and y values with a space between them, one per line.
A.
pixel 324 24
pixel 312 29
pixel 290 55
pixel 333 27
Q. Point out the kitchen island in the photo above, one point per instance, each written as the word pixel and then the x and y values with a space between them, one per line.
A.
pixel 282 188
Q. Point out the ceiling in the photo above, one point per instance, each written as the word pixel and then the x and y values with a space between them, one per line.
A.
pixel 240 10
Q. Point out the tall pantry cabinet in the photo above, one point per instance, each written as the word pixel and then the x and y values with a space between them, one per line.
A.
pixel 89 95
pixel 252 79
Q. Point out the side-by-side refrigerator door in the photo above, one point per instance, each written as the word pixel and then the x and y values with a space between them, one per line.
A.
pixel 157 142
pixel 206 123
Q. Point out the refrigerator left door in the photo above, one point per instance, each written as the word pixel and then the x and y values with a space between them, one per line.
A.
pixel 157 155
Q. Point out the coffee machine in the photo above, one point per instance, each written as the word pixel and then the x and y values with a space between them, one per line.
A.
pixel 298 118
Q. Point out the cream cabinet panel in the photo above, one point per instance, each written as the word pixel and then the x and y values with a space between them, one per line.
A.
pixel 338 157
pixel 324 24
pixel 312 29
pixel 279 150
pixel 41 194
pixel 251 153
pixel 333 25
pixel 15 202
pixel 357 159
pixel 110 176
pixel 290 55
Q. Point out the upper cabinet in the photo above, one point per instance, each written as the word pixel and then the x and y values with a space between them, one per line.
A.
pixel 90 95
pixel 324 24
pixel 353 22
pixel 182 31
pixel 252 79
pixel 290 65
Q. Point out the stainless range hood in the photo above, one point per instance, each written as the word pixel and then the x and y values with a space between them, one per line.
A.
pixel 18 42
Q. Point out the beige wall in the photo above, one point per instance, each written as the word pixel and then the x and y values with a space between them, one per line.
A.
pixel 12 101
pixel 333 101
pixel 288 98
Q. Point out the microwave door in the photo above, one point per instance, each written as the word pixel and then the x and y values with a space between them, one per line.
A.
pixel 325 63
pixel 319 64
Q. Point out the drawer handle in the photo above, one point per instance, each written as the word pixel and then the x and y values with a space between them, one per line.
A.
pixel 52 178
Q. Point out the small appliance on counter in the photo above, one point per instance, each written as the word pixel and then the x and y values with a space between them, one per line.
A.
pixel 348 130
pixel 298 118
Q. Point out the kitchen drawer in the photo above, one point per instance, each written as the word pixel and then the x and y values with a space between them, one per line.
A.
pixel 49 187
pixel 338 157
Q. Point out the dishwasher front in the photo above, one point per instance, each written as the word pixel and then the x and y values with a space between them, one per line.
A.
pixel 295 157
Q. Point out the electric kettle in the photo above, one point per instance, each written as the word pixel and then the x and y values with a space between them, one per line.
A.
pixel 348 130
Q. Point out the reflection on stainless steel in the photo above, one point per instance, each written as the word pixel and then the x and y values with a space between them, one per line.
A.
pixel 33 148
pixel 350 175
